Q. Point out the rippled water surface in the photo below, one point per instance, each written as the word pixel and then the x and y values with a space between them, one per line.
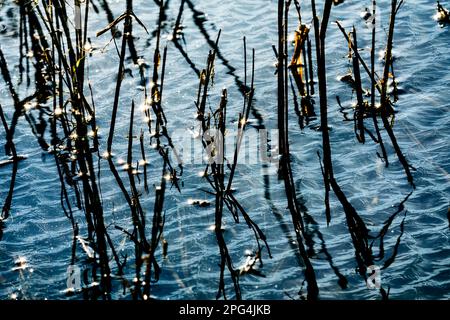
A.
pixel 38 231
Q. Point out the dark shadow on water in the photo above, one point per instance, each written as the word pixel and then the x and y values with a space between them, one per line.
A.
pixel 199 18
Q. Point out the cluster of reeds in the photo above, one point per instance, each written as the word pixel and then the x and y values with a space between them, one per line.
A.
pixel 213 126
pixel 145 247
pixel 61 78
pixel 301 70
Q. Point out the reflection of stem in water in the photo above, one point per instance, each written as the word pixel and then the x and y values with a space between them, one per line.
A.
pixel 7 203
pixel 385 103
pixel 373 84
pixel 199 20
pixel 359 111
pixel 120 77
pixel 285 166
pixel 319 33
pixel 383 232
pixel 219 185
pixel 109 17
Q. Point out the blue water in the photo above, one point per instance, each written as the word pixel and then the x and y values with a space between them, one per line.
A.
pixel 39 232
